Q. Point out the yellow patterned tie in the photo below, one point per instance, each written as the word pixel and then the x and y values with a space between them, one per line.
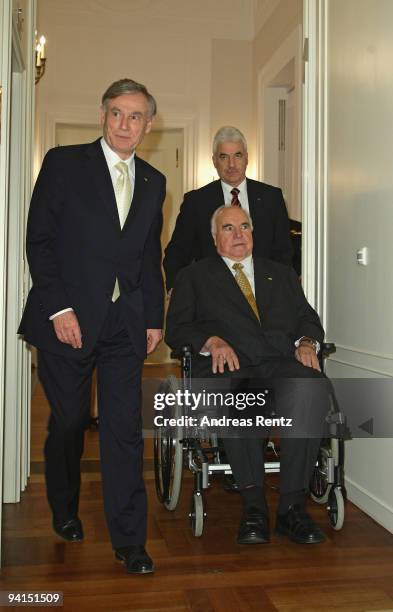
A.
pixel 245 287
pixel 123 201
pixel 123 192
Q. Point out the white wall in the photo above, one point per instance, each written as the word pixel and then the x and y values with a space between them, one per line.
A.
pixel 231 92
pixel 360 213
pixel 199 58
pixel 170 46
pixel 275 21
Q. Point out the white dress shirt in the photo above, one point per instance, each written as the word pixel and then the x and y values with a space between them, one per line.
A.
pixel 111 159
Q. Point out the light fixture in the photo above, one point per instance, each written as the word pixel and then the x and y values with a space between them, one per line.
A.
pixel 40 58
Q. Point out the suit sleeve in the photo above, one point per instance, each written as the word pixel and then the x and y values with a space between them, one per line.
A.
pixel 282 247
pixel 180 251
pixel 182 327
pixel 152 283
pixel 42 227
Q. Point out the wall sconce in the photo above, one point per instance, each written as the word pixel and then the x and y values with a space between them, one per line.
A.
pixel 40 58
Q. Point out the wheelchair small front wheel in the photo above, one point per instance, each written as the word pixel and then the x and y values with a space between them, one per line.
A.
pixel 336 508
pixel 197 514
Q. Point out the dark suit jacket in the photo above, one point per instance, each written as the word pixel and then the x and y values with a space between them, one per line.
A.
pixel 192 239
pixel 76 249
pixel 207 301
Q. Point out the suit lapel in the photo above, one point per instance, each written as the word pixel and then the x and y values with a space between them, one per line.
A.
pixel 98 174
pixel 140 195
pixel 264 284
pixel 215 198
pixel 254 199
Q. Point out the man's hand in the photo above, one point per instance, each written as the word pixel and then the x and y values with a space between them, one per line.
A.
pixel 67 329
pixel 221 354
pixel 307 356
pixel 154 337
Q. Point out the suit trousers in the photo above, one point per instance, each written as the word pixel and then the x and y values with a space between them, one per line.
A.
pixel 67 384
pixel 300 393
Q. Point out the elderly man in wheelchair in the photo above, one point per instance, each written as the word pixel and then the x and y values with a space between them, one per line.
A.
pixel 247 319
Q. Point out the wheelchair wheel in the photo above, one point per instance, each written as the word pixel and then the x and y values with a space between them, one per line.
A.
pixel 197 514
pixel 336 508
pixel 168 456
pixel 319 485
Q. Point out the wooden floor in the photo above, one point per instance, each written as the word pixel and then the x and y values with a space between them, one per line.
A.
pixel 351 571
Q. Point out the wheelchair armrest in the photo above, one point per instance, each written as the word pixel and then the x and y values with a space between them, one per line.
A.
pixel 327 348
pixel 185 351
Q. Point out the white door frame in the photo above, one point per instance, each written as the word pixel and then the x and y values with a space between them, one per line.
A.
pixel 17 357
pixel 5 75
pixel 17 81
pixel 314 199
pixel 290 49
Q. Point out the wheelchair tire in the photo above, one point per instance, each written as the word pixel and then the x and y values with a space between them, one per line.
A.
pixel 168 456
pixel 336 508
pixel 197 514
pixel 319 486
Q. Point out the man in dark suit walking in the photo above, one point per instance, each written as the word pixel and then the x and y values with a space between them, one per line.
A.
pixel 192 240
pixel 93 246
pixel 247 318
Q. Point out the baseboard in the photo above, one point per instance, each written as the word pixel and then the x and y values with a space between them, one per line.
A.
pixel 371 505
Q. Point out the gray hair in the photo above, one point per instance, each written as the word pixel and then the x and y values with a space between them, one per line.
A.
pixel 218 212
pixel 128 86
pixel 228 133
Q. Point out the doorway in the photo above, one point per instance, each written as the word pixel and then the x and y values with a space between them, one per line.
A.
pixel 280 130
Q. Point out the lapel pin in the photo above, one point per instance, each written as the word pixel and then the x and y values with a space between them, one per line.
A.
pixel 269 278
pixel 145 179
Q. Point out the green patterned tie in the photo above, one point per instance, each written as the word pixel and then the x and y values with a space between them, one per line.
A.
pixel 123 201
pixel 245 287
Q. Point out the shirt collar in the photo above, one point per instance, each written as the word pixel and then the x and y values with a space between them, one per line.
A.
pixel 228 188
pixel 247 263
pixel 112 158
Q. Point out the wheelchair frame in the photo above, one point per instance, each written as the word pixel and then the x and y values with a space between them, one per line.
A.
pixel 202 456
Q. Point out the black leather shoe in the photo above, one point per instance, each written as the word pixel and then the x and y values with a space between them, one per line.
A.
pixel 299 526
pixel 136 559
pixel 71 530
pixel 254 528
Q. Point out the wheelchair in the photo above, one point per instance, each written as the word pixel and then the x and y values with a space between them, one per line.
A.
pixel 176 447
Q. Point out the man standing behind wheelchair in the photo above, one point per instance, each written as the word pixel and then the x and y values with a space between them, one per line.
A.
pixel 248 318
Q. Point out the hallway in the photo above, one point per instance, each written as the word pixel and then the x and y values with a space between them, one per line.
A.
pixel 351 571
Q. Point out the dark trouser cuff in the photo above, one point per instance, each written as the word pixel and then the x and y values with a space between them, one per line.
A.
pixel 253 497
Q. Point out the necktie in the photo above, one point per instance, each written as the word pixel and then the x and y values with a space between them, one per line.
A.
pixel 245 287
pixel 123 192
pixel 123 201
pixel 235 200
